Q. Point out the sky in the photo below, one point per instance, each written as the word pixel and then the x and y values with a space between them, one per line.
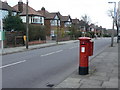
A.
pixel 97 10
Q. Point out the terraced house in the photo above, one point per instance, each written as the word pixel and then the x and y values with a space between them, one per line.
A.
pixel 66 22
pixel 76 24
pixel 5 9
pixel 34 16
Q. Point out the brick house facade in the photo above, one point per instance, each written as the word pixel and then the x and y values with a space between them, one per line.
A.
pixel 52 22
pixel 34 16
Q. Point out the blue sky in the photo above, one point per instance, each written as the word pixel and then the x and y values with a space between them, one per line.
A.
pixel 96 9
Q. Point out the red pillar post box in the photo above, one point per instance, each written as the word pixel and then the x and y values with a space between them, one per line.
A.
pixel 84 53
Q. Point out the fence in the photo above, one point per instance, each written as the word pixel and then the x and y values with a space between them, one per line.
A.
pixel 13 39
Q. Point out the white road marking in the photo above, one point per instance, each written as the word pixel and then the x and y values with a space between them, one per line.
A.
pixel 51 53
pixel 47 54
pixel 8 65
pixel 73 47
pixel 58 51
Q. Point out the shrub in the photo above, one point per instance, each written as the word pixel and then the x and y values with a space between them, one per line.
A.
pixel 13 23
pixel 91 34
pixel 106 35
pixel 36 32
pixel 78 34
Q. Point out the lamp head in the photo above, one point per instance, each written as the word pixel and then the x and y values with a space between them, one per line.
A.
pixel 111 2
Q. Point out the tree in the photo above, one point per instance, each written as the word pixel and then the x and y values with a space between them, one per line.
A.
pixel 13 23
pixel 111 14
pixel 85 21
pixel 74 32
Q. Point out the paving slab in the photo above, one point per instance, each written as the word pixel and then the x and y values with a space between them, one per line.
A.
pixel 110 84
pixel 89 86
pixel 91 82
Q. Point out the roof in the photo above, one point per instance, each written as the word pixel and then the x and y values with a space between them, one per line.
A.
pixel 46 14
pixel 7 7
pixel 31 11
pixel 75 21
pixel 43 12
pixel 65 18
pixel 50 15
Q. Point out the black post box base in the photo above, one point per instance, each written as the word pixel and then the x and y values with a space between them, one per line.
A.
pixel 83 70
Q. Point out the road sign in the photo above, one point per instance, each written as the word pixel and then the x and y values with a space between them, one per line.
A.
pixel 2 35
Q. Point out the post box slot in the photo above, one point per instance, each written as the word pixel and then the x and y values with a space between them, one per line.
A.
pixel 82 44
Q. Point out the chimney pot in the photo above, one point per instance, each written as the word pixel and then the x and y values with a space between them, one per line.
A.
pixel 20 6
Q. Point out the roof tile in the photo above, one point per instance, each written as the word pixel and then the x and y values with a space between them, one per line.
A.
pixel 7 7
pixel 31 11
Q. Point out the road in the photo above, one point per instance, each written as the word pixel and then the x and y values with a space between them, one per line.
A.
pixel 40 67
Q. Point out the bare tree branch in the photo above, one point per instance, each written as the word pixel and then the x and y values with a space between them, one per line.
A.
pixel 110 13
pixel 86 19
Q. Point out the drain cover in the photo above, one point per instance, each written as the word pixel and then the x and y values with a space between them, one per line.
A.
pixel 50 85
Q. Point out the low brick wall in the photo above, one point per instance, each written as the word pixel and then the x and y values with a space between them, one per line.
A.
pixel 15 39
pixel 36 42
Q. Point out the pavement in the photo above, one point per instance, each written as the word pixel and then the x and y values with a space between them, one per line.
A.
pixel 31 47
pixel 103 72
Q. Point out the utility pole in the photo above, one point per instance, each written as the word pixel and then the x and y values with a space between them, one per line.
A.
pixel 102 32
pixel 27 22
pixel 95 30
pixel 57 32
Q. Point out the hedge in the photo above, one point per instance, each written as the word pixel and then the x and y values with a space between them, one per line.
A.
pixel 36 32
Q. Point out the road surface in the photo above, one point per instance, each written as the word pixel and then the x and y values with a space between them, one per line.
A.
pixel 41 67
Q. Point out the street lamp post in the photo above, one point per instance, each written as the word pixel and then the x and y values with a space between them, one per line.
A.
pixel 57 32
pixel 27 22
pixel 95 30
pixel 102 32
pixel 112 35
pixel 1 27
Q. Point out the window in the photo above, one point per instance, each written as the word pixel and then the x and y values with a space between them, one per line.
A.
pixel 14 13
pixel 4 13
pixel 54 22
pixel 37 19
pixel 67 24
pixel 23 18
pixel 40 19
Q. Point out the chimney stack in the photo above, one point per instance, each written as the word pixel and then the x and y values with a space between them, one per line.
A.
pixel 20 6
pixel 5 1
pixel 43 10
